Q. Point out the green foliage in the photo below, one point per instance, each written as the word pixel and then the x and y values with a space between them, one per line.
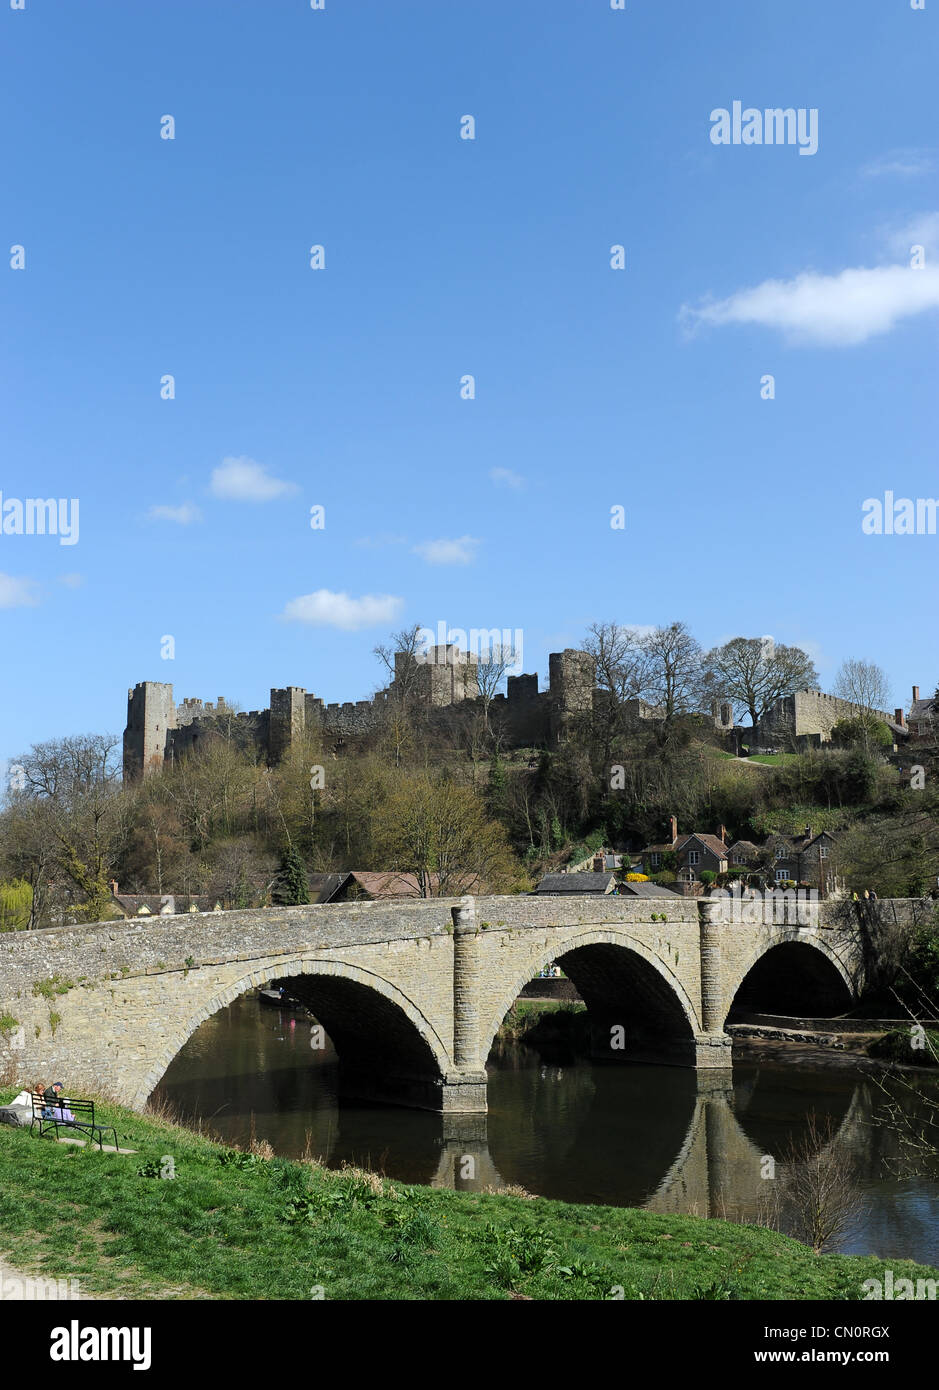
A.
pixel 16 904
pixel 235 1158
pixel 904 1045
pixel 862 733
pixel 708 876
pixel 51 986
pixel 292 887
pixel 8 1023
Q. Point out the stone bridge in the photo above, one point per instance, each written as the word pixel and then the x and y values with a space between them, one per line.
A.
pixel 412 992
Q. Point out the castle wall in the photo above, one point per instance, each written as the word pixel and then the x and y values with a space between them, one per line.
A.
pixel 810 712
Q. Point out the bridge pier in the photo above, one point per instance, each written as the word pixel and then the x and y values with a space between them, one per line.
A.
pixel 712 1047
pixel 465 1089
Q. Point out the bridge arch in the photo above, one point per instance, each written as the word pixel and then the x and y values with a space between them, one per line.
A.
pixel 620 980
pixel 798 975
pixel 377 1030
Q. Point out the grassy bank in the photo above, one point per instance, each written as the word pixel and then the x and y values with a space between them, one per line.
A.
pixel 898 1046
pixel 232 1225
pixel 546 1021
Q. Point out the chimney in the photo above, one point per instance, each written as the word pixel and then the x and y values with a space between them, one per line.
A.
pixel 674 825
pixel 113 886
pixel 915 693
pixel 898 717
pixel 808 832
pixel 723 836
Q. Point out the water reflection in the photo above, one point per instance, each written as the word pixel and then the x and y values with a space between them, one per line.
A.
pixel 659 1137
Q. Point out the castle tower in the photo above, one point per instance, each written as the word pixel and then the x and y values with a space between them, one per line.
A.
pixel 287 721
pixel 571 676
pixel 150 714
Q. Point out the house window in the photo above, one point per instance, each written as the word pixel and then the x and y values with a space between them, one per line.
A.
pixel 655 860
pixel 781 851
pixel 694 856
pixel 823 851
pixel 739 859
pixel 687 875
pixel 782 875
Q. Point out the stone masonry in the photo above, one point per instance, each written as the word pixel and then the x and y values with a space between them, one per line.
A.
pixel 412 993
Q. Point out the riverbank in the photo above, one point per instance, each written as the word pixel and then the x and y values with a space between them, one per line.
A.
pixel 242 1225
pixel 849 1044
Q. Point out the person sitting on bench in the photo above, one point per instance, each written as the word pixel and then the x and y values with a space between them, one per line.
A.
pixel 54 1108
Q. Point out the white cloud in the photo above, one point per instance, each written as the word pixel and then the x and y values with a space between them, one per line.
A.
pixel 504 477
pixel 443 552
pixel 831 310
pixel 900 163
pixel 243 480
pixel 17 593
pixel 72 581
pixel 183 515
pixel 326 609
pixel 920 230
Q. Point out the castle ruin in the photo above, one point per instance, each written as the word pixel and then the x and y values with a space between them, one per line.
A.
pixel 441 683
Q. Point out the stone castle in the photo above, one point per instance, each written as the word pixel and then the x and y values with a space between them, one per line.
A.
pixel 444 683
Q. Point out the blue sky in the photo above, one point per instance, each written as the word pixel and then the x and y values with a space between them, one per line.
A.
pixel 444 257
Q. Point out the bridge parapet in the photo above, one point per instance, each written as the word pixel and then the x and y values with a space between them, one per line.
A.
pixel 428 980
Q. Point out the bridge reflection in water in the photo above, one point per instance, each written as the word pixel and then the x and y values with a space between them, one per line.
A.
pixel 667 1139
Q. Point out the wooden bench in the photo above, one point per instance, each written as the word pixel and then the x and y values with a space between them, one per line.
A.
pixel 49 1114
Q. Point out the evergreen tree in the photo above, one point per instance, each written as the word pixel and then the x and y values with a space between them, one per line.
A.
pixel 291 888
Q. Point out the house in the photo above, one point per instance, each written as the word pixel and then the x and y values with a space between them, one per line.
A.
pixel 923 717
pixel 644 890
pixel 593 883
pixel 743 854
pixel 695 854
pixel 160 904
pixel 363 884
pixel 804 858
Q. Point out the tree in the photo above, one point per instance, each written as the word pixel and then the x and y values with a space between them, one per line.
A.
pixel 433 828
pixel 673 674
pixel 862 733
pixel 491 669
pixel 16 905
pixel 76 813
pixel 864 684
pixel 622 670
pixel 399 708
pixel 754 673
pixel 291 887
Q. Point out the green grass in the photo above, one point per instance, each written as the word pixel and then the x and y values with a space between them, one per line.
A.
pixel 771 759
pixel 897 1046
pixel 234 1226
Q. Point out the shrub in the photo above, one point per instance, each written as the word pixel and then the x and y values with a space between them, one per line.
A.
pixel 16 904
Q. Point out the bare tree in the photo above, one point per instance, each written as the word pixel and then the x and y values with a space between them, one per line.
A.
pixel 816 1198
pixel 755 672
pixel 491 669
pixel 72 805
pixel 865 684
pixel 622 671
pixel 673 678
pixel 400 705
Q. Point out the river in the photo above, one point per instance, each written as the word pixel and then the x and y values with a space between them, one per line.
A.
pixel 560 1127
